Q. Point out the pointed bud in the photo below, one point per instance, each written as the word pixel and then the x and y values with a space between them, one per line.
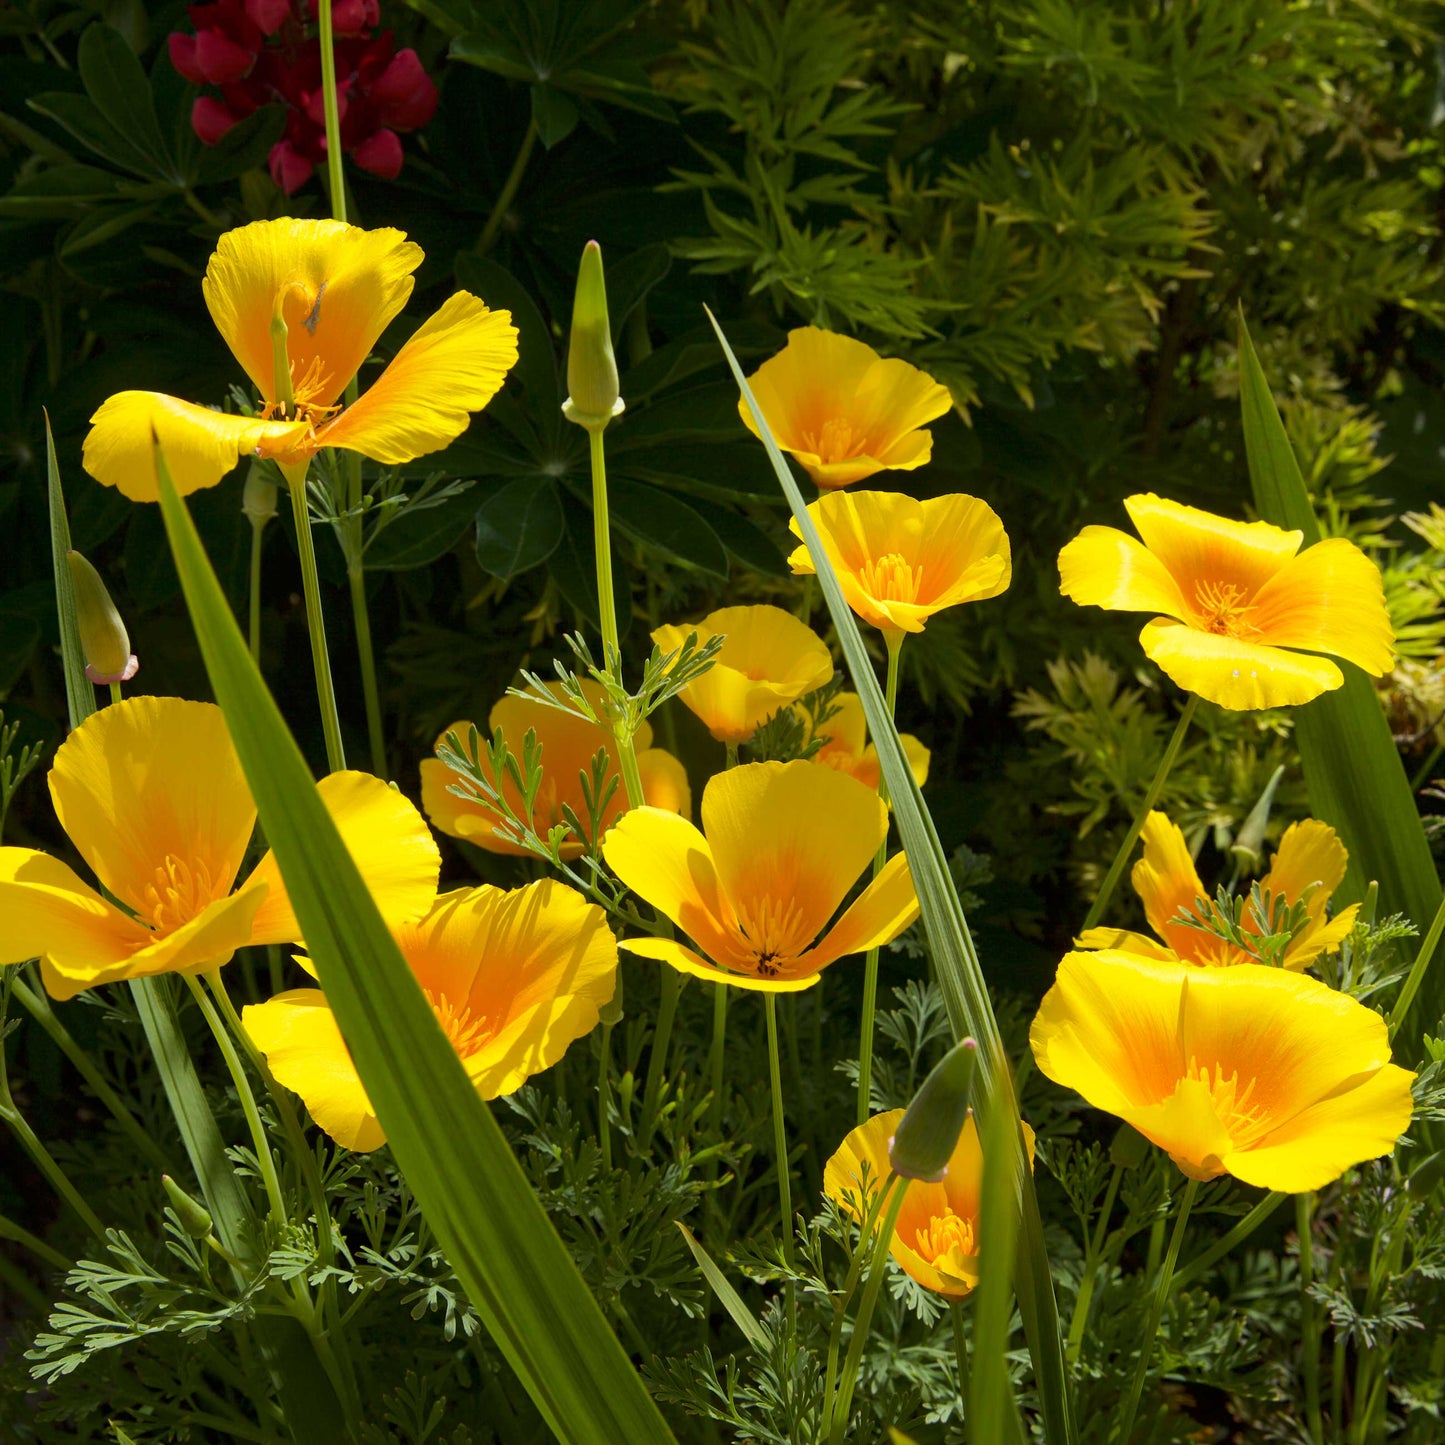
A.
pixel 927 1134
pixel 1129 1147
pixel 258 497
pixel 591 366
pixel 194 1218
pixel 103 637
pixel 1248 845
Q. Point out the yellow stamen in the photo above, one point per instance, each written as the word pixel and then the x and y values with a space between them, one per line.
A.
pixel 835 440
pixel 466 1034
pixel 1224 609
pixel 772 929
pixel 892 579
pixel 948 1236
pixel 178 892
pixel 1233 1105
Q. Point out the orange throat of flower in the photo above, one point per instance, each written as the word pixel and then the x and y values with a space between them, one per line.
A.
pixel 312 383
pixel 892 578
pixel 773 932
pixel 468 1033
pixel 180 890
pixel 949 1243
pixel 835 440
pixel 1242 1117
pixel 1224 608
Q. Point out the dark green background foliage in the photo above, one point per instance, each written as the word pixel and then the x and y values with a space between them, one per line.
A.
pixel 1056 208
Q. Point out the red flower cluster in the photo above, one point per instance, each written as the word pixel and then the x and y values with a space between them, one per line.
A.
pixel 260 52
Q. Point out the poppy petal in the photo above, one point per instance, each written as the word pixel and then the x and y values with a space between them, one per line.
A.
pixel 1168 884
pixel 684 960
pixel 1240 676
pixel 45 909
pixel 1103 567
pixel 877 916
pixel 1196 546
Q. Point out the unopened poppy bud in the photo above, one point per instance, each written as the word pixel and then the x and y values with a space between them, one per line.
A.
pixel 1248 845
pixel 103 637
pixel 258 497
pixel 194 1217
pixel 927 1134
pixel 1129 1147
pixel 593 398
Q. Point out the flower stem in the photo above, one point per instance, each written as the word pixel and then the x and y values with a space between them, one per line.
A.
pixel 876 1270
pixel 1309 1318
pixel 602 541
pixel 870 963
pixel 1090 1274
pixel 335 179
pixel 1156 1313
pixel 115 693
pixel 254 618
pixel 780 1138
pixel 1418 970
pixel 1111 878
pixel 604 1097
pixel 356 578
pixel 960 1346
pixel 1203 1263
pixel 661 1039
pixel 509 189
pixel 45 1162
pixel 315 620
pixel 17 1234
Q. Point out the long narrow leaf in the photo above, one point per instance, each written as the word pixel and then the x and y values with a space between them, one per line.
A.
pixel 1356 779
pixel 453 1153
pixel 955 960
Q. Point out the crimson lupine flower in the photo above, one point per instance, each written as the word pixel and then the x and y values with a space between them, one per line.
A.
pixel 261 52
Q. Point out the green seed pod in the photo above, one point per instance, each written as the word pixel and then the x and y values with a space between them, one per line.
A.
pixel 103 637
pixel 1129 1147
pixel 194 1218
pixel 258 498
pixel 928 1132
pixel 592 385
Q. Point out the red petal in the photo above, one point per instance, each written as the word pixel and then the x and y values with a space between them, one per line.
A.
pixel 183 56
pixel 380 154
pixel 220 59
pixel 405 92
pixel 268 15
pixel 289 169
pixel 210 119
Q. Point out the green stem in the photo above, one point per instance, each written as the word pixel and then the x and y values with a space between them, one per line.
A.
pixel 1422 775
pixel 1309 1317
pixel 1156 1313
pixel 1418 970
pixel 45 1162
pixel 715 1055
pixel 731 759
pixel 18 1234
pixel 258 530
pixel 332 111
pixel 602 543
pixel 315 619
pixel 41 1011
pixel 604 1098
pixel 1090 1274
pixel 960 1346
pixel 1111 878
pixel 870 963
pixel 780 1138
pixel 356 579
pixel 509 189
pixel 115 693
pixel 661 1039
pixel 873 1208
pixel 1201 1264
pixel 843 1405
pixel 15 1282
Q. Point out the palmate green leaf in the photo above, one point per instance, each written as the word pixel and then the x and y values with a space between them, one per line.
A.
pixel 960 978
pixel 1356 781
pixel 452 1151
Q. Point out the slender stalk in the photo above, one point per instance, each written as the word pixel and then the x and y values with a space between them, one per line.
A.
pixel 1309 1317
pixel 1201 1264
pixel 258 530
pixel 876 1270
pixel 14 1281
pixel 356 580
pixel 1418 970
pixel 115 693
pixel 332 112
pixel 1111 878
pixel 715 1055
pixel 509 190
pixel 1090 1274
pixel 657 1063
pixel 58 1179
pixel 602 541
pixel 1156 1313
pixel 872 1209
pixel 780 1138
pixel 40 1010
pixel 1422 775
pixel 604 1097
pixel 870 963
pixel 960 1346
pixel 18 1234
pixel 315 619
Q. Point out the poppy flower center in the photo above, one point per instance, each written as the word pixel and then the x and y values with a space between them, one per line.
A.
pixel 835 440
pixel 1224 609
pixel 1243 1118
pixel 773 928
pixel 467 1033
pixel 948 1238
pixel 891 578
pixel 178 891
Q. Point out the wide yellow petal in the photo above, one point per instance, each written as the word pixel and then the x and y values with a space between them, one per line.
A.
pixel 664 782
pixel 388 841
pixel 1187 1126
pixel 964 554
pixel 1330 599
pixel 1103 567
pixel 684 960
pixel 1168 884
pixel 1321 938
pixel 46 910
pixel 1362 1120
pixel 789 840
pixel 342 287
pixel 303 1047
pixel 664 859
pixel 200 446
pixel 877 916
pixel 1198 547
pixel 453 365
pixel 1241 676
pixel 859 1165
pixel 152 794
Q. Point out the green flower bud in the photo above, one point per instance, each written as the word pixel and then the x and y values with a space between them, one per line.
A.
pixel 258 498
pixel 103 637
pixel 591 366
pixel 194 1218
pixel 1129 1147
pixel 1248 845
pixel 927 1134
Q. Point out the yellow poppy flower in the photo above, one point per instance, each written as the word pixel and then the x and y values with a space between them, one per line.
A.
pixel 1309 864
pixel 569 744
pixel 513 977
pixel 848 750
pixel 781 845
pixel 899 561
pixel 1270 1076
pixel 1237 599
pixel 768 661
pixel 844 411
pixel 152 795
pixel 334 288
pixel 936 1237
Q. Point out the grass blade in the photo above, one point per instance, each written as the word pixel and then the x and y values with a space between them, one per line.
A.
pixel 452 1151
pixel 727 1296
pixel 960 978
pixel 1356 780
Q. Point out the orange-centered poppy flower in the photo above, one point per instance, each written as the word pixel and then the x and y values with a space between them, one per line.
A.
pixel 513 977
pixel 1242 607
pixel 152 795
pixel 936 1237
pixel 844 411
pixel 899 561
pixel 301 304
pixel 782 843
pixel 1267 1075
pixel 846 746
pixel 569 743
pixel 1308 865
pixel 768 661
